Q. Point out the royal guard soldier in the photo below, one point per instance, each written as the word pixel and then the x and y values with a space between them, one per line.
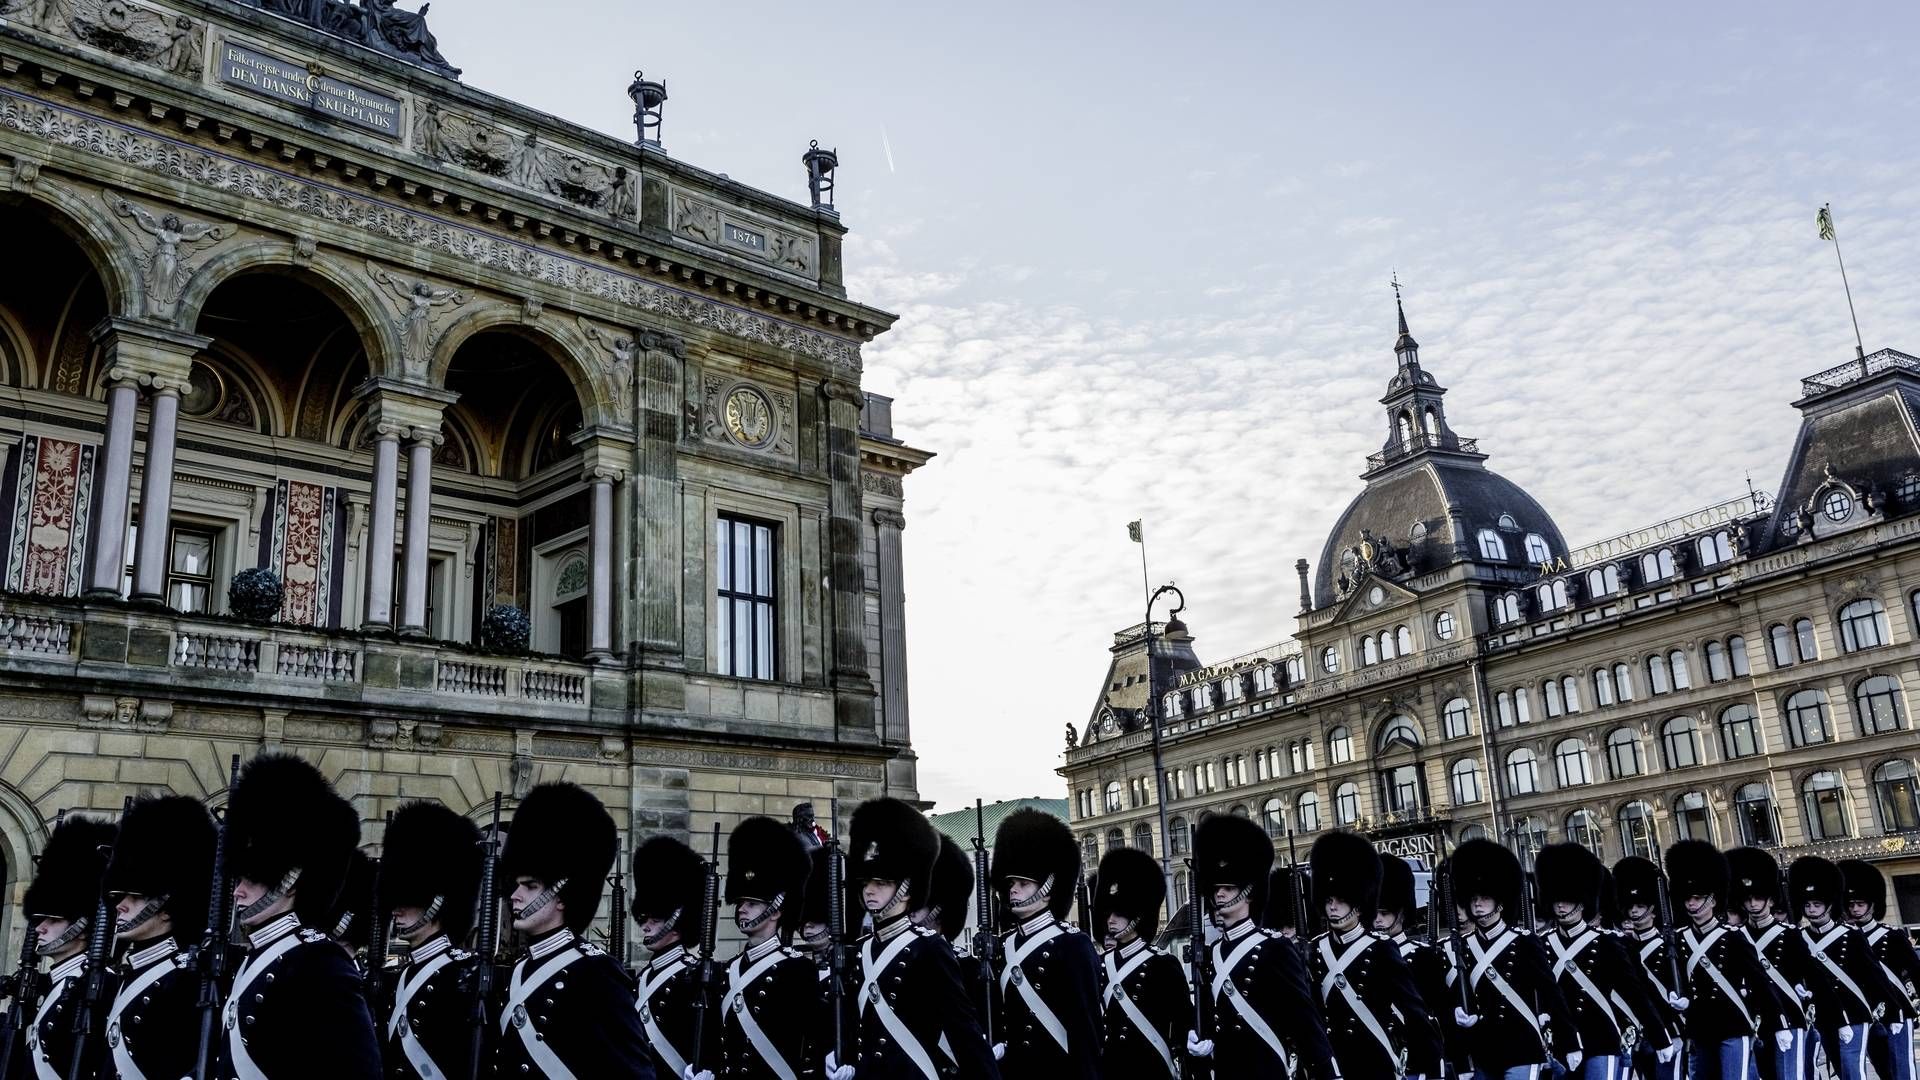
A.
pixel 1596 976
pixel 1518 1020
pixel 569 1007
pixel 1375 1019
pixel 669 887
pixel 1891 1048
pixel 1147 1010
pixel 1265 1022
pixel 157 882
pixel 1395 910
pixel 296 1007
pixel 1754 889
pixel 1049 1023
pixel 950 897
pixel 1636 883
pixel 1725 997
pixel 1847 989
pixel 912 1017
pixel 350 923
pixel 60 906
pixel 430 869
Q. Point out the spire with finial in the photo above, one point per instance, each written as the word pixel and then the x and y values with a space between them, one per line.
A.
pixel 1404 347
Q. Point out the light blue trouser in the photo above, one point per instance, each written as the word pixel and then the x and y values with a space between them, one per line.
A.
pixel 1607 1067
pixel 1846 1060
pixel 1892 1055
pixel 1728 1060
pixel 1518 1072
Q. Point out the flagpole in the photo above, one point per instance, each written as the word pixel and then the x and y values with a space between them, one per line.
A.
pixel 1826 217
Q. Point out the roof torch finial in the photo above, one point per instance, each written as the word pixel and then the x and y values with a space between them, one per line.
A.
pixel 820 165
pixel 648 96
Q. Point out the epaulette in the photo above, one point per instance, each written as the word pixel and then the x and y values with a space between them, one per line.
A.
pixel 588 948
pixel 311 936
pixel 923 931
pixel 460 954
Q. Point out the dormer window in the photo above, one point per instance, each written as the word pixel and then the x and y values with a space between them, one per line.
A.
pixel 1492 547
pixel 1838 506
pixel 1507 522
pixel 1537 550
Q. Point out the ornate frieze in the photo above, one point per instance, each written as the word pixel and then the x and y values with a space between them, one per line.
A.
pixel 151 35
pixel 522 159
pixel 880 484
pixel 738 233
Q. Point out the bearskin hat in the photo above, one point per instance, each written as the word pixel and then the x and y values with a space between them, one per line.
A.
pixel 1232 851
pixel 1483 868
pixel 351 919
pixel 888 840
pixel 1131 886
pixel 767 861
pixel 1752 872
pixel 1278 900
pixel 1396 888
pixel 952 888
pixel 561 833
pixel 432 853
pixel 1568 873
pixel 1636 880
pixel 1696 868
pixel 66 881
pixel 165 849
pixel 1609 900
pixel 282 816
pixel 1037 846
pixel 1345 867
pixel 1811 877
pixel 1865 882
pixel 669 879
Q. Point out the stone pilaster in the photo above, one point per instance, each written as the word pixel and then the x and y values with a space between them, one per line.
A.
pixel 847 667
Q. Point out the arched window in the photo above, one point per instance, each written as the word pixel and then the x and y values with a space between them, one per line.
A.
pixel 1177 831
pixel 1230 688
pixel 1714 550
pixel 1570 763
pixel 1259 766
pixel 1550 695
pixel 1143 836
pixel 1296 671
pixel 1680 739
pixel 1506 609
pixel 1273 817
pixel 1116 839
pixel 1602 686
pixel 1603 582
pixel 1716 655
pixel 1405 428
pixel 1522 705
pixel 1737 656
pixel 1308 811
pixel 1803 640
pixel 1824 802
pixel 1444 627
pixel 1739 731
pixel 1570 690
pixel 1346 803
pixel 1657 680
pixel 1531 835
pixel 1863 625
pixel 1273 763
pixel 1584 829
pixel 1656 566
pixel 1402 640
pixel 1692 820
pixel 1537 550
pixel 1296 757
pixel 1523 775
pixel 1399 731
pixel 1677 667
pixel 1174 704
pixel 1876 705
pixel 1179 889
pixel 1115 802
pixel 1637 835
pixel 1430 421
pixel 1894 790
pixel 1507 522
pixel 1340 745
pixel 1623 682
pixel 1780 645
pixel 1623 753
pixel 1090 850
pixel 1464 781
pixel 1387 650
pixel 1753 813
pixel 1330 660
pixel 1455 721
pixel 1807 718
pixel 1492 547
pixel 1503 708
pixel 1369 652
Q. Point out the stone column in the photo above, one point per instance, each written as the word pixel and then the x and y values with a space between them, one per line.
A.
pixel 379 545
pixel 413 596
pixel 600 482
pixel 156 495
pixel 113 473
pixel 893 627
pixel 853 686
pixel 137 354
pixel 656 498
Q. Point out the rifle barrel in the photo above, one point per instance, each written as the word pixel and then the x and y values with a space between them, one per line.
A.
pixel 488 942
pixel 211 958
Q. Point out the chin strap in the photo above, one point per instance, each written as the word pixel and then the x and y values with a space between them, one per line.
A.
pixel 667 926
pixel 73 932
pixel 1035 903
pixel 774 905
pixel 901 895
pixel 431 913
pixel 140 918
pixel 540 901
pixel 1239 894
pixel 269 898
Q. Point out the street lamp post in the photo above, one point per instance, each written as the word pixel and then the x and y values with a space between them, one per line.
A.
pixel 1153 725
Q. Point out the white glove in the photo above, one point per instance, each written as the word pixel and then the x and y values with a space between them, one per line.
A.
pixel 1805 994
pixel 1574 1057
pixel 1678 1002
pixel 1197 1046
pixel 696 1073
pixel 1463 1018
pixel 999 1051
pixel 837 1071
pixel 1672 1051
pixel 1846 1034
pixel 1897 1026
pixel 1784 1040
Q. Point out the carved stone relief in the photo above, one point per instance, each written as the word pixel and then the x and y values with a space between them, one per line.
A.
pixel 737 412
pixel 708 223
pixel 617 366
pixel 419 319
pixel 149 35
pixel 163 245
pixel 522 159
pixel 880 484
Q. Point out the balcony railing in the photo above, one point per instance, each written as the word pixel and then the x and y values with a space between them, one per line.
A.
pixel 1854 370
pixel 1425 441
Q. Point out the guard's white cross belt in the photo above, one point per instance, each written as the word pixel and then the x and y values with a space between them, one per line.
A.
pixel 514 1017
pixel 1117 977
pixel 1017 978
pixel 733 1003
pixel 1699 958
pixel 1336 979
pixel 873 1000
pixel 1565 960
pixel 123 1061
pixel 1818 946
pixel 1484 971
pixel 400 1024
pixel 1224 964
pixel 242 1061
pixel 656 1037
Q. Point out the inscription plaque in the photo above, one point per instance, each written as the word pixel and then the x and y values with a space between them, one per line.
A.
pixel 284 80
pixel 746 238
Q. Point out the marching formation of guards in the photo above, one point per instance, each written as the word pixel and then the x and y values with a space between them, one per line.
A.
pixel 165 945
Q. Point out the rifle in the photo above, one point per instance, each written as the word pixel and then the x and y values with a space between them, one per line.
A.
pixel 98 937
pixel 23 986
pixel 1526 896
pixel 1446 903
pixel 1201 963
pixel 1083 896
pixel 709 928
pixel 210 956
pixel 379 935
pixel 986 937
pixel 1303 921
pixel 1664 904
pixel 488 943
pixel 836 935
pixel 617 931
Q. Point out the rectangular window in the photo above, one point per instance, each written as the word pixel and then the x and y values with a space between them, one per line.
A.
pixel 748 604
pixel 190 569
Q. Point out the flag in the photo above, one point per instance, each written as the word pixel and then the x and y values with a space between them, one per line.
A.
pixel 1133 532
pixel 1825 220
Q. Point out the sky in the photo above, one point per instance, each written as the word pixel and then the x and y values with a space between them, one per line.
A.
pixel 1140 257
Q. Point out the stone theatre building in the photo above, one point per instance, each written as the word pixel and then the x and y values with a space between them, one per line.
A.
pixel 282 292
pixel 1738 675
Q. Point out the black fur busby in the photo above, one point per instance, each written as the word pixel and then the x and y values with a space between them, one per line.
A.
pixel 432 853
pixel 1696 868
pixel 1037 846
pixel 1865 882
pixel 1609 900
pixel 1636 881
pixel 351 919
pixel 1568 873
pixel 1277 901
pixel 1396 888
pixel 1131 886
pixel 766 861
pixel 66 881
pixel 1346 867
pixel 283 815
pixel 1233 851
pixel 1811 877
pixel 669 877
pixel 952 888
pixel 1484 868
pixel 1752 872
pixel 561 833
pixel 165 849
pixel 888 840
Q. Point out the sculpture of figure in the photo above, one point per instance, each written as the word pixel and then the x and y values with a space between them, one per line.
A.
pixel 165 271
pixel 1073 737
pixel 428 137
pixel 405 31
pixel 621 205
pixel 182 54
pixel 623 349
pixel 418 299
pixel 528 171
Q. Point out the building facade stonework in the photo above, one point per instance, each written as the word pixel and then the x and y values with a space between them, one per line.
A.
pixel 282 292
pixel 1739 674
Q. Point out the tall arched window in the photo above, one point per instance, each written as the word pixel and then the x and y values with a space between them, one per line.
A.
pixel 1803 640
pixel 1603 582
pixel 1657 680
pixel 1405 427
pixel 1602 687
pixel 1876 705
pixel 1340 745
pixel 1399 732
pixel 1737 656
pixel 1387 650
pixel 1680 739
pixel 1307 810
pixel 1402 640
pixel 1863 625
pixel 1116 839
pixel 1692 820
pixel 1506 609
pixel 1570 766
pixel 1177 833
pixel 1090 850
pixel 1584 829
pixel 1739 731
pixel 1894 790
pixel 1492 547
pixel 1637 836
pixel 1369 652
pixel 1550 695
pixel 1677 667
pixel 1656 566
pixel 1463 779
pixel 1780 645
pixel 1623 753
pixel 1273 817
pixel 1716 655
pixel 1456 722
pixel 1346 803
pixel 1570 690
pixel 1522 705
pixel 1143 836
pixel 1807 718
pixel 1523 775
pixel 1550 596
pixel 1753 813
pixel 1296 670
pixel 1115 801
pixel 1823 799
pixel 1296 756
pixel 1503 708
pixel 1623 682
